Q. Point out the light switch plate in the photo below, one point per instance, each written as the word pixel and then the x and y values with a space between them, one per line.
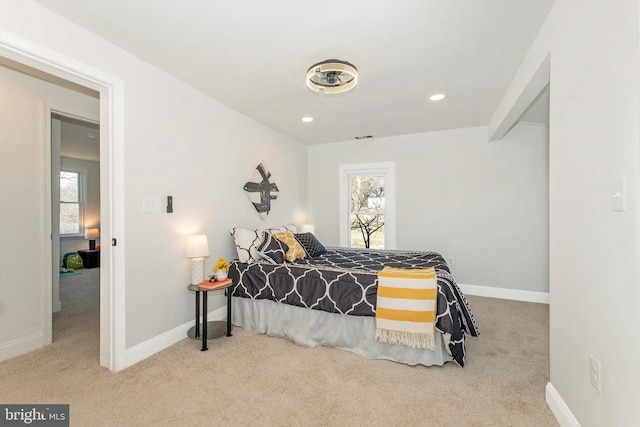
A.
pixel 151 204
pixel 595 372
pixel 619 194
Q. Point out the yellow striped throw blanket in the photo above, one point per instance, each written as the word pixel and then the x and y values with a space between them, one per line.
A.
pixel 406 308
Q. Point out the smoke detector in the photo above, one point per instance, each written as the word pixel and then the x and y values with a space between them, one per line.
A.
pixel 332 76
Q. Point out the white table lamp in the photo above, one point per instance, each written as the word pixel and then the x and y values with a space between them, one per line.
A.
pixel 197 250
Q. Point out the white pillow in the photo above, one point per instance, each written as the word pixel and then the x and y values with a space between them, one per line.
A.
pixel 247 242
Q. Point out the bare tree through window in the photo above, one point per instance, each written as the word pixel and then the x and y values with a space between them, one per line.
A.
pixel 366 215
pixel 70 208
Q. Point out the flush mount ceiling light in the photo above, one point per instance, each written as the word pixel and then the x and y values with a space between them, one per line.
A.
pixel 437 97
pixel 332 76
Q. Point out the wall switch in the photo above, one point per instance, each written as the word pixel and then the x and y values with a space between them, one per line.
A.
pixel 619 194
pixel 451 261
pixel 594 372
pixel 151 204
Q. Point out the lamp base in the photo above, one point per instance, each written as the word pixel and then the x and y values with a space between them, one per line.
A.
pixel 197 270
pixel 92 245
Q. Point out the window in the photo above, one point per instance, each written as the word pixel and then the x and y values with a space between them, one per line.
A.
pixel 367 205
pixel 71 212
pixel 366 211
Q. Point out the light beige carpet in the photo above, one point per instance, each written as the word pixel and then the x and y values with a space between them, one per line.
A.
pixel 257 380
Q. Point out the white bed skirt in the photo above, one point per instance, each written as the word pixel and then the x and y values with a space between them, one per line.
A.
pixel 311 328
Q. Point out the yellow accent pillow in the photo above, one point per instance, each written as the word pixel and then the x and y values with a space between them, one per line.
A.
pixel 295 251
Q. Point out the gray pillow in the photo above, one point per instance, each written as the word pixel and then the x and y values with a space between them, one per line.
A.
pixel 311 245
pixel 247 241
pixel 272 250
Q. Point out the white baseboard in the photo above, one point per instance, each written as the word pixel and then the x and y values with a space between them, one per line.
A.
pixel 505 293
pixel 21 346
pixel 152 346
pixel 559 408
pixel 57 306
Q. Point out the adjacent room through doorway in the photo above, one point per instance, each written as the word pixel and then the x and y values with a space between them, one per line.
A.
pixel 75 218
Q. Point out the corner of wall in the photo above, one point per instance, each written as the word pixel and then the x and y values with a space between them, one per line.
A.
pixel 560 409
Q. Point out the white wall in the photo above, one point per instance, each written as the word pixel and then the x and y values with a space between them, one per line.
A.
pixel 92 201
pixel 594 140
pixel 22 177
pixel 485 203
pixel 178 142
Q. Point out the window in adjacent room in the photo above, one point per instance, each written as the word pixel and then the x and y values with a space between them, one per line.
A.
pixel 367 205
pixel 71 211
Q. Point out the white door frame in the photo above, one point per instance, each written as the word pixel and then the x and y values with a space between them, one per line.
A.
pixel 112 285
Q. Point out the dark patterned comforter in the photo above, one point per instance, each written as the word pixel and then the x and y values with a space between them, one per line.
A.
pixel 345 281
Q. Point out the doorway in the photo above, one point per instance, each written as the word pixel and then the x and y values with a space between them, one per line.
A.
pixel 65 72
pixel 75 218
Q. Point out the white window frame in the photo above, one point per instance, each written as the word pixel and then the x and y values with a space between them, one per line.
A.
pixel 388 169
pixel 82 176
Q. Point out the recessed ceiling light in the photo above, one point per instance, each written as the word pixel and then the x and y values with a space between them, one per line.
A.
pixel 437 97
pixel 307 119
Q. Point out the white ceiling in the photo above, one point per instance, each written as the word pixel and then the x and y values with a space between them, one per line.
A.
pixel 79 139
pixel 252 55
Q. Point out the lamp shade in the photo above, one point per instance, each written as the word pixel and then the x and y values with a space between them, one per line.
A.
pixel 197 246
pixel 91 233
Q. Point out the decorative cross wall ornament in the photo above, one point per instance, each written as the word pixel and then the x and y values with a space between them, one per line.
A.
pixel 261 191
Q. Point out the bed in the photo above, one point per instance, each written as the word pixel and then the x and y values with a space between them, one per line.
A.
pixel 328 297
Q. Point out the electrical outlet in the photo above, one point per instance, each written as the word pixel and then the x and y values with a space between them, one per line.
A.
pixel 151 204
pixel 451 261
pixel 595 371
